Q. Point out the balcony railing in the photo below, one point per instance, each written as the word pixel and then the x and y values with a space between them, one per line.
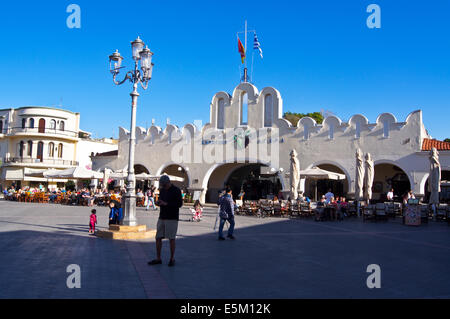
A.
pixel 47 161
pixel 37 130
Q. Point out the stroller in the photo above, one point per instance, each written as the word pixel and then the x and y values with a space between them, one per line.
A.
pixel 196 214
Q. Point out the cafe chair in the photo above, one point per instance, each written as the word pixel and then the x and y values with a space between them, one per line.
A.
pixel 380 212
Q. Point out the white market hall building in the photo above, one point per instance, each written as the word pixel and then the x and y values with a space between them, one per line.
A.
pixel 399 149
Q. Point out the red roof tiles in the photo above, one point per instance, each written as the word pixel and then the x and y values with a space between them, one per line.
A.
pixel 428 144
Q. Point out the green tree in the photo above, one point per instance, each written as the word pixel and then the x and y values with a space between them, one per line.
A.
pixel 447 140
pixel 295 117
pixel 70 186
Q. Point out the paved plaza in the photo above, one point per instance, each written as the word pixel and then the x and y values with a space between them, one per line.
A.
pixel 271 258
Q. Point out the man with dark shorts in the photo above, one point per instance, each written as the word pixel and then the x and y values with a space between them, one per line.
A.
pixel 169 201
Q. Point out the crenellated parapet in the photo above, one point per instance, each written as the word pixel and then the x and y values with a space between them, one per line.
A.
pixel 264 109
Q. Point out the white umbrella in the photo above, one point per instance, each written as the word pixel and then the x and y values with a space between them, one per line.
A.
pixel 359 178
pixel 368 177
pixel 318 173
pixel 434 181
pixel 294 177
pixel 144 177
pixel 118 175
pixel 171 177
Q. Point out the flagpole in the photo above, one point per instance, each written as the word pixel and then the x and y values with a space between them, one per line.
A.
pixel 245 77
pixel 251 72
pixel 245 48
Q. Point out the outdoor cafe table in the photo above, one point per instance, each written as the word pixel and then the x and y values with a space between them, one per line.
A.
pixel 328 209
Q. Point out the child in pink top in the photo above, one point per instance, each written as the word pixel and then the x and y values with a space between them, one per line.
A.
pixel 92 221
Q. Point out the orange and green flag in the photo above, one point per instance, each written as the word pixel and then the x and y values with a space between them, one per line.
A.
pixel 241 50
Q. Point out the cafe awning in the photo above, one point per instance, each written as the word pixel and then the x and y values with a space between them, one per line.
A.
pixel 10 174
pixel 73 173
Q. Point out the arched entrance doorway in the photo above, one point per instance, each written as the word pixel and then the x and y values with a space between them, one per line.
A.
pixel 338 187
pixel 140 184
pixel 178 171
pixel 389 176
pixel 255 181
pixel 444 196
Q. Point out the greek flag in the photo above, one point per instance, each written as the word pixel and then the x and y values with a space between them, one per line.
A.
pixel 257 46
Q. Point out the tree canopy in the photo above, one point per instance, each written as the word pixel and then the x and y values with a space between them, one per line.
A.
pixel 295 117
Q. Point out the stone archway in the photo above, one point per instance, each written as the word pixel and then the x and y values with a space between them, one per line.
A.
pixel 241 176
pixel 140 169
pixel 178 171
pixel 387 176
pixel 338 187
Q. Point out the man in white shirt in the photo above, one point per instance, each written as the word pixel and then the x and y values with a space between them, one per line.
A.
pixel 390 195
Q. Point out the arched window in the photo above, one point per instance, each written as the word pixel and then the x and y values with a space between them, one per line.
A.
pixel 331 131
pixel 41 126
pixel 244 108
pixel 385 128
pixel 221 114
pixel 357 129
pixel 31 123
pixel 21 148
pixel 53 124
pixel 24 123
pixel 51 149
pixel 268 110
pixel 306 132
pixel 60 150
pixel 30 148
pixel 61 126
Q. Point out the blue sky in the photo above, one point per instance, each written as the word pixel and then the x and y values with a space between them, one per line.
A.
pixel 318 54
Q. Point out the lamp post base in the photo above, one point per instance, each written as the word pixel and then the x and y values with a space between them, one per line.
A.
pixel 121 232
pixel 129 211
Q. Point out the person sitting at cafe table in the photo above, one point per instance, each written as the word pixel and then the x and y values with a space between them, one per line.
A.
pixel 320 210
pixel 333 208
pixel 343 206
pixel 304 198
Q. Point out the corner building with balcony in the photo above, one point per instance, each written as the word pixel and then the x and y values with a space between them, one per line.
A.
pixel 38 138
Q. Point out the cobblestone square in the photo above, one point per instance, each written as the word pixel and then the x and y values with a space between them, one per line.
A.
pixel 271 258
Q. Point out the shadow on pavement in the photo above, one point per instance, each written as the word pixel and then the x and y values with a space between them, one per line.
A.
pixel 273 259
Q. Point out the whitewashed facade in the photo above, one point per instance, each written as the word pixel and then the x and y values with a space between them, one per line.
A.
pixel 41 138
pixel 395 145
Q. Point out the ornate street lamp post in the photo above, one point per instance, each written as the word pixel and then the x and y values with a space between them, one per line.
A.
pixel 136 76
